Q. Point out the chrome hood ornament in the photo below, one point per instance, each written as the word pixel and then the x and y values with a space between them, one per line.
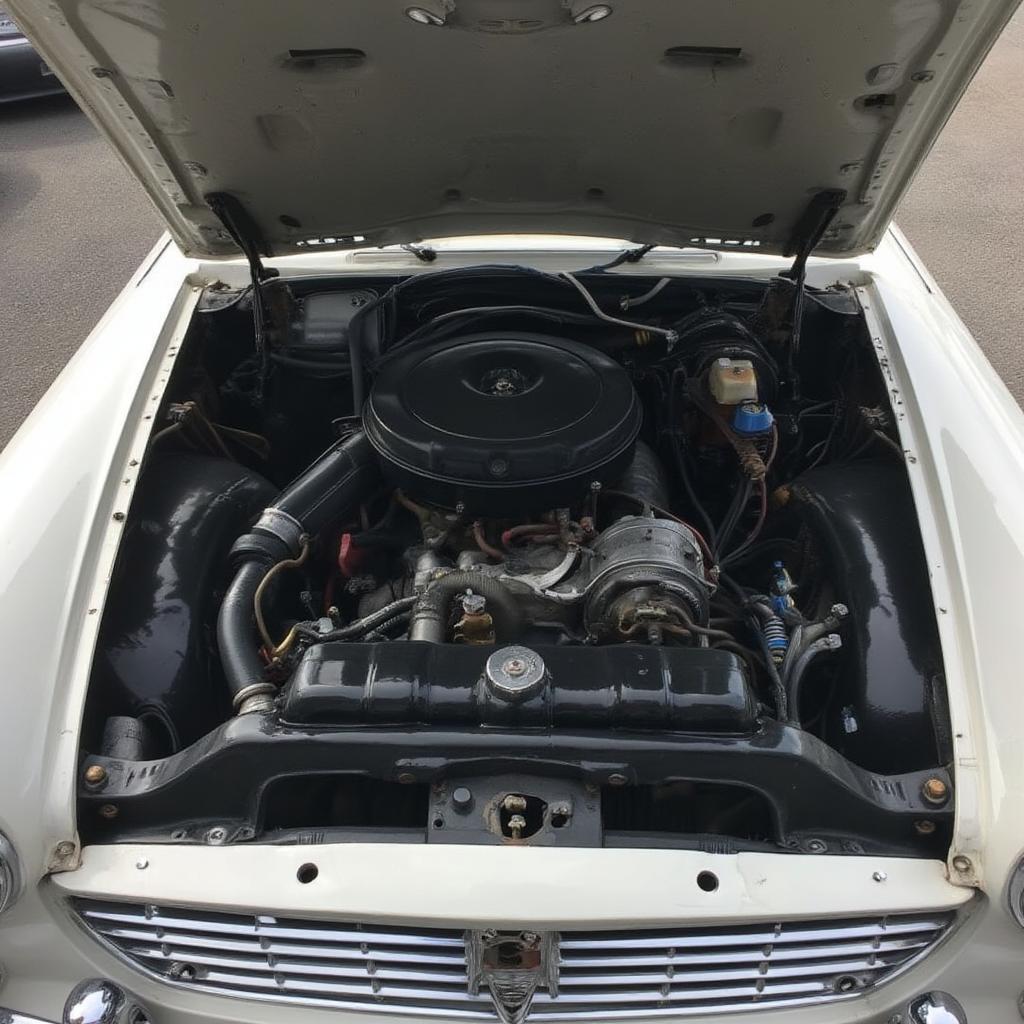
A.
pixel 511 965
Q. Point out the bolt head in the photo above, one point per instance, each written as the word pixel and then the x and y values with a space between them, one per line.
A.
pixel 65 849
pixel 514 667
pixel 95 775
pixel 924 827
pixel 962 863
pixel 935 791
pixel 108 811
pixel 616 779
pixel 879 876
pixel 406 778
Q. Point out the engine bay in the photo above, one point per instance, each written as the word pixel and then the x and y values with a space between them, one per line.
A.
pixel 493 555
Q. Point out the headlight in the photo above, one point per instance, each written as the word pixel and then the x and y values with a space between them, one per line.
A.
pixel 10 876
pixel 1016 893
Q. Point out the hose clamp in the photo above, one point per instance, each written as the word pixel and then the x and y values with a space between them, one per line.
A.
pixel 257 698
pixel 286 528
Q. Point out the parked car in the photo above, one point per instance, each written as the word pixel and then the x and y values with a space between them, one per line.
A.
pixel 532 543
pixel 23 73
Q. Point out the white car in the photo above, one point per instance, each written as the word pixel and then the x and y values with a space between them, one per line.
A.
pixel 520 624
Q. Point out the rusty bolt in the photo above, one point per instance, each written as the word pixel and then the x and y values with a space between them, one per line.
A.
pixel 962 864
pixel 924 827
pixel 108 811
pixel 935 791
pixel 65 848
pixel 95 775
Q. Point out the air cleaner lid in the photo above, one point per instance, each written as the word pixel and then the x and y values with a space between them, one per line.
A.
pixel 501 419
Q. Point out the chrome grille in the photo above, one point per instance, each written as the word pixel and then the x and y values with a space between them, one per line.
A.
pixel 422 971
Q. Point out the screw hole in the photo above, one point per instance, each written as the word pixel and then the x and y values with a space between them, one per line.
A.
pixel 707 881
pixel 439 823
pixel 307 873
pixel 559 820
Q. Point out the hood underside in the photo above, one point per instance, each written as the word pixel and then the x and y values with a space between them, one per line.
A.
pixel 371 122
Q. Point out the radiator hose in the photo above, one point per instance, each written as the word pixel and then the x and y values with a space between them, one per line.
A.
pixel 430 613
pixel 322 495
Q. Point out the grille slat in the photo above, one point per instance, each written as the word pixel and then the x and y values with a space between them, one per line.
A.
pixel 341 951
pixel 267 927
pixel 422 972
pixel 792 933
pixel 287 965
pixel 811 952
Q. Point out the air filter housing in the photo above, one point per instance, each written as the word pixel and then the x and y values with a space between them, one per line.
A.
pixel 502 423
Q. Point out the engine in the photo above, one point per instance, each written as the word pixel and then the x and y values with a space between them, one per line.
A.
pixel 676 558
pixel 540 512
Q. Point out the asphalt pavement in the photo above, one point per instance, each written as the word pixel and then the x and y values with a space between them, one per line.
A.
pixel 74 226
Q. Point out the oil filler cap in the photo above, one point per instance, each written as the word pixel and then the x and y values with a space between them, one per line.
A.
pixel 515 673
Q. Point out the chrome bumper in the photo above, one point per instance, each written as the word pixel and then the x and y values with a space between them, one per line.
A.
pixel 101 1002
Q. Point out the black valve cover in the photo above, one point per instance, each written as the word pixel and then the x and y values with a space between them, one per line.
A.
pixel 502 423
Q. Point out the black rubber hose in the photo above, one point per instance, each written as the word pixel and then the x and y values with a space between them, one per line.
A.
pixel 331 486
pixel 645 478
pixel 322 495
pixel 236 632
pixel 430 615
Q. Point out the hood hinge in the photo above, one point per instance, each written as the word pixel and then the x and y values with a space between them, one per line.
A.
pixel 810 227
pixel 243 229
pixel 781 312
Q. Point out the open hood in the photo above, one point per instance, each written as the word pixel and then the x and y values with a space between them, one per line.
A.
pixel 372 122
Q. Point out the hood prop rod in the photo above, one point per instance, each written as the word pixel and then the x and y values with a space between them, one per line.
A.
pixel 808 231
pixel 246 234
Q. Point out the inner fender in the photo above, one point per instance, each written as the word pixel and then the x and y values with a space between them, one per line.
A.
pixel 891 715
pixel 156 658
